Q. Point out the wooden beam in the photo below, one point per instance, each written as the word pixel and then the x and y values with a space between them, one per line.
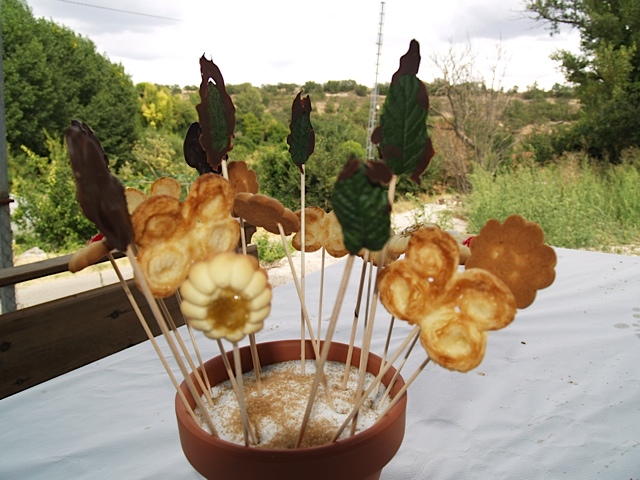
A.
pixel 47 340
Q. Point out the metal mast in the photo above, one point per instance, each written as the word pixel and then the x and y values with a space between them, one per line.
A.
pixel 373 109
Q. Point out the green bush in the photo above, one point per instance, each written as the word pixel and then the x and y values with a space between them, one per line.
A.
pixel 269 250
pixel 48 215
pixel 577 204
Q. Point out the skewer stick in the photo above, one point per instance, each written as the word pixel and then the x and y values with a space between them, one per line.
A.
pixel 305 313
pixel 255 358
pixel 383 371
pixel 320 299
pixel 152 339
pixel 315 344
pixel 302 265
pixel 232 378
pixel 195 347
pixel 398 370
pixel 368 335
pixel 326 346
pixel 387 342
pixel 240 393
pixel 146 291
pixel 404 388
pixel 354 326
pixel 185 351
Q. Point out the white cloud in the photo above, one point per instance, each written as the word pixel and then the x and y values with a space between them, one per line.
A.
pixel 292 41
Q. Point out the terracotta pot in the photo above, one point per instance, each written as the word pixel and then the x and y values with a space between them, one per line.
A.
pixel 360 457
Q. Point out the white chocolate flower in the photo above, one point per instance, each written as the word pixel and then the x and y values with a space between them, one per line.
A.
pixel 228 296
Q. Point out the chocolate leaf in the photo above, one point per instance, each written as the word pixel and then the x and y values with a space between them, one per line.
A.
pixel 100 194
pixel 402 135
pixel 216 114
pixel 361 204
pixel 194 154
pixel 302 139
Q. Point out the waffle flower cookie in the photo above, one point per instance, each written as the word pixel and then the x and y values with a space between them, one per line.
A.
pixel 454 310
pixel 515 252
pixel 227 296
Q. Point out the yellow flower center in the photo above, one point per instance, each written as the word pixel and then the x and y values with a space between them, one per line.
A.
pixel 229 310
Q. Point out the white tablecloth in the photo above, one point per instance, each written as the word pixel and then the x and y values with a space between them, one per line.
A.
pixel 557 396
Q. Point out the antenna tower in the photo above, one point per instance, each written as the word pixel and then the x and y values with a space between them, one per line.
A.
pixel 373 109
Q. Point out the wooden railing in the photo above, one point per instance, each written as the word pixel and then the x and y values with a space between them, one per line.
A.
pixel 44 341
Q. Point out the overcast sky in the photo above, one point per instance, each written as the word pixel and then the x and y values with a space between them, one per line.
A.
pixel 293 41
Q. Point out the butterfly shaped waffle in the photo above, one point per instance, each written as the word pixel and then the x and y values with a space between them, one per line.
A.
pixel 172 235
pixel 454 310
pixel 321 230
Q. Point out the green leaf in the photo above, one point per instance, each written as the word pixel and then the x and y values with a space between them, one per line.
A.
pixel 402 135
pixel 302 138
pixel 360 201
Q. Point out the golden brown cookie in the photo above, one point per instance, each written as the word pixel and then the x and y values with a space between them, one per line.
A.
pixel 227 296
pixel 242 178
pixel 333 240
pixel 165 186
pixel 515 252
pixel 266 212
pixel 313 219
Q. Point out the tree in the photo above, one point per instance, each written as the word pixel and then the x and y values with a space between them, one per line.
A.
pixel 606 72
pixel 51 76
pixel 472 108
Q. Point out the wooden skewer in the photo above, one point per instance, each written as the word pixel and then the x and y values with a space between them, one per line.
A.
pixel 255 358
pixel 378 379
pixel 387 342
pixel 398 370
pixel 320 298
pixel 240 394
pixel 354 326
pixel 185 351
pixel 326 346
pixel 253 436
pixel 146 291
pixel 152 339
pixel 366 343
pixel 315 344
pixel 302 266
pixel 404 388
pixel 195 346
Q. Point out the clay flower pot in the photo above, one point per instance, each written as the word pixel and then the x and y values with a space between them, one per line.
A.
pixel 360 457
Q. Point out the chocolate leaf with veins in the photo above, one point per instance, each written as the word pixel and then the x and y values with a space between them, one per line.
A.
pixel 402 136
pixel 216 114
pixel 194 154
pixel 360 201
pixel 302 139
pixel 100 194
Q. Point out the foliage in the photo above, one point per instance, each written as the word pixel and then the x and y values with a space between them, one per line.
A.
pixel 52 75
pixel 269 250
pixel 47 214
pixel 577 204
pixel 156 155
pixel 606 73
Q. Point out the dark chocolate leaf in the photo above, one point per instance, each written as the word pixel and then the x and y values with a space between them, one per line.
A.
pixel 216 114
pixel 360 201
pixel 194 154
pixel 302 139
pixel 100 194
pixel 402 136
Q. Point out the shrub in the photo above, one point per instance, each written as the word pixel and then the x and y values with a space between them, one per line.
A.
pixel 48 214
